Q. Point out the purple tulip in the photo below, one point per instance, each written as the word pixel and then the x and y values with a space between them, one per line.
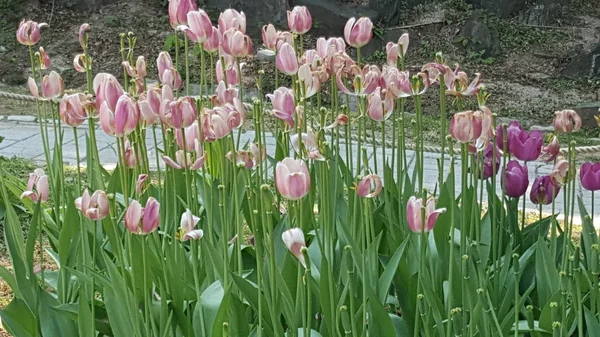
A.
pixel 490 166
pixel 590 176
pixel 543 190
pixel 516 179
pixel 526 146
pixel 513 128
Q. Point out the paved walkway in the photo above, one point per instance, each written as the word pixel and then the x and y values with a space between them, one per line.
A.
pixel 22 139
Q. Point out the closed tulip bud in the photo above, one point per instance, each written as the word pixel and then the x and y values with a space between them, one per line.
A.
pixel 126 116
pixel 108 90
pixel 44 59
pixel 566 121
pixel 590 176
pixel 292 178
pixel 516 179
pixel 83 29
pixel 79 63
pixel 33 88
pixel 369 186
pixel 414 214
pixel 178 10
pixel 199 27
pixel 231 18
pixel 236 43
pixel 94 207
pixel 299 20
pixel 525 145
pixel 142 220
pixel 283 105
pixel 187 227
pixel 29 32
pixel 543 190
pixel 53 85
pixel 294 241
pixel 358 32
pixel 72 109
pixel 466 126
pixel 286 60
pixel 38 187
pixel 212 43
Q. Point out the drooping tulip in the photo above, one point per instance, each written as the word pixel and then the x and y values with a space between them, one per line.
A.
pixel 231 18
pixel 183 159
pixel 178 10
pixel 566 121
pixel 286 60
pixel 299 20
pixel 365 80
pixel 516 179
pixel 53 85
pixel 466 126
pixel 292 178
pixel 236 43
pixel 560 172
pixel 397 50
pixel 590 176
pixel 142 220
pixel 551 151
pixel 44 59
pixel 460 86
pixel 72 109
pixel 180 113
pixel 283 105
pixel 414 214
pixel 94 207
pixel 309 145
pixel 294 241
pixel 108 90
pixel 79 63
pixel 490 165
pixel 29 31
pixel 83 29
pixel 543 190
pixel 187 227
pixel 358 32
pixel 370 186
pixel 526 146
pixel 341 119
pixel 199 28
pixel 380 105
pixel 37 186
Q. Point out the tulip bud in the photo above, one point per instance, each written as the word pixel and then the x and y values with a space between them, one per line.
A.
pixel 142 220
pixel 286 60
pixel 33 88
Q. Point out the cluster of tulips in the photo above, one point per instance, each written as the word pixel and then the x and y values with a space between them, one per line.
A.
pixel 196 244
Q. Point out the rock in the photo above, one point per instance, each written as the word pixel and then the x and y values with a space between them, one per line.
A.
pixel 258 12
pixel 265 55
pixel 542 128
pixel 587 111
pixel 479 37
pixel 330 16
pixel 3 49
pixel 540 15
pixel 585 64
pixel 502 8
pixel 84 5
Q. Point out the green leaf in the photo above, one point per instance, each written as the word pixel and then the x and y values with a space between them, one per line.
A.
pixel 592 324
pixel 52 322
pixel 389 271
pixel 380 323
pixel 214 303
pixel 18 320
pixel 32 236
pixel 588 234
pixel 250 292
pixel 547 278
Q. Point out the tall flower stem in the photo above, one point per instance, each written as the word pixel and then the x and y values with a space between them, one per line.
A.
pixel 145 291
pixel 187 65
pixel 443 128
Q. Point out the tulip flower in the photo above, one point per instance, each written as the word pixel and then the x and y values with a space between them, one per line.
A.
pixel 490 165
pixel 33 88
pixel 525 145
pixel 231 72
pixel 560 172
pixel 94 207
pixel 380 105
pixel 309 80
pixel 140 68
pixel 83 29
pixel 236 43
pixel 224 95
pixel 212 43
pixel 513 128
pixel 28 32
pixel 140 183
pixel 369 186
pixel 73 109
pixel 199 27
pixel 37 186
pixel 466 126
pixel 269 37
pixel 215 124
pixel 460 86
pixel 132 157
pixel 397 50
pixel 366 80
pixel 178 10
pixel 358 32
pixel 283 105
pixel 286 60
pixel 414 214
pixel 341 119
pixel 551 151
pixel 172 78
pixel 232 19
pixel 294 241
pixel 590 176
pixel 241 159
pixel 292 178
pixel 108 90
pixel 126 116
pixel 180 113
pixel 79 63
pixel 309 145
pixel 487 128
pixel 259 154
pixel 191 133
pixel 543 190
pixel 44 59
pixel 516 179
pixel 163 62
pixel 142 220
pixel 53 85
pixel 566 121
pixel 299 20
pixel 187 227
pixel 183 159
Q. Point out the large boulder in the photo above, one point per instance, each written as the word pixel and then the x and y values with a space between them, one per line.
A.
pixel 587 112
pixel 258 12
pixel 585 64
pixel 479 37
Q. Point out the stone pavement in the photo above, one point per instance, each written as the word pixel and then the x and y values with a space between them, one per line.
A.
pixel 22 139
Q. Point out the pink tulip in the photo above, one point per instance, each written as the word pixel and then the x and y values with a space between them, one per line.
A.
pixel 566 121
pixel 487 127
pixel 83 29
pixel 79 63
pixel 341 119
pixel 95 207
pixel 286 60
pixel 292 178
pixel 327 48
pixel 163 62
pixel 72 109
pixel 242 159
pixel 183 159
pixel 269 37
pixel 294 241
pixel 172 78
pixel 299 20
pixel 224 95
pixel 309 145
pixel 53 85
pixel 33 88
pixel 143 220
pixel 283 105
pixel 380 105
pixel 191 134
pixel 309 80
pixel 414 214
pixel 236 43
pixel 214 124
pixel 212 43
pixel 358 32
pixel 108 90
pixel 131 155
pixel 187 227
pixel 231 18
pixel 149 104
pixel 199 27
pixel 460 86
pixel 259 154
pixel 44 59
pixel 552 150
pixel 28 32
pixel 180 113
pixel 397 50
pixel 560 172
pixel 466 126
pixel 369 186
pixel 127 116
pixel 140 68
pixel 140 183
pixel 37 186
pixel 178 10
pixel 231 71
pixel 366 80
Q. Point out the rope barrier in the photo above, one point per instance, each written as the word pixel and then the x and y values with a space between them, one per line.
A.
pixel 427 148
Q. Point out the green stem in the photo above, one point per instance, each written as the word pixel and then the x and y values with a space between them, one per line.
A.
pixel 187 65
